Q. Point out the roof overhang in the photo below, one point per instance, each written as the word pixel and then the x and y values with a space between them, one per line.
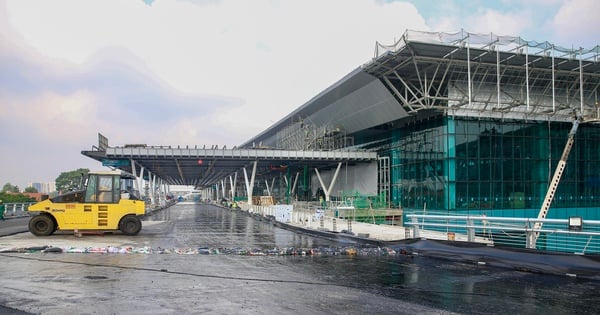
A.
pixel 206 167
pixel 355 103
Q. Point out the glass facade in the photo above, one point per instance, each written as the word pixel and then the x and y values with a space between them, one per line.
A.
pixel 501 168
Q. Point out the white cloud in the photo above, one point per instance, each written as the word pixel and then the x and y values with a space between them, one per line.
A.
pixel 211 48
pixel 562 22
pixel 61 113
pixel 205 72
pixel 262 53
pixel 511 23
pixel 506 18
pixel 173 73
pixel 577 23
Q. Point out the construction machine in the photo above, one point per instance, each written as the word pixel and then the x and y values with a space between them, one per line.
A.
pixel 104 203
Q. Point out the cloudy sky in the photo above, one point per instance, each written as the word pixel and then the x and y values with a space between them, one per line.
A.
pixel 195 72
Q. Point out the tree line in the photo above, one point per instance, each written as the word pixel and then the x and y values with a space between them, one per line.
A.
pixel 65 182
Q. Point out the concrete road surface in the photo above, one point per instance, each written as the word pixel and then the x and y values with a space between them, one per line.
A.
pixel 176 283
pixel 202 259
pixel 11 226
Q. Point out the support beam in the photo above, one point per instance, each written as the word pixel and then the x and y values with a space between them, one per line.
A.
pixel 407 88
pixel 581 81
pixel 398 94
pixel 233 183
pixel 295 185
pixel 328 189
pixel 141 183
pixel 162 192
pixel 250 184
pixel 180 171
pixel 469 72
pixel 527 75
pixel 553 81
pixel 498 77
pixel 223 192
pixel 270 187
pixel 151 182
pixel 167 190
pixel 136 181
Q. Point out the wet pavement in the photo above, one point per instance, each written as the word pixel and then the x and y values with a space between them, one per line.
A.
pixel 12 226
pixel 181 279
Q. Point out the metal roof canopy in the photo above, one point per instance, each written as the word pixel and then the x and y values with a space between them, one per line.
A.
pixel 427 74
pixel 357 102
pixel 510 78
pixel 207 167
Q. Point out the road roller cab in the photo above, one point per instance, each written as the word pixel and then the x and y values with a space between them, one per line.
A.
pixel 105 203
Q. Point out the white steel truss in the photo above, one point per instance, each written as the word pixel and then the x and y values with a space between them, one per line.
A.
pixel 492 76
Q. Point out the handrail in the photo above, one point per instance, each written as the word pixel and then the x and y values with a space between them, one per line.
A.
pixel 16 209
pixel 486 218
pixel 559 234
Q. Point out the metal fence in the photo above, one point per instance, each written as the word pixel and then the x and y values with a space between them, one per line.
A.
pixel 15 210
pixel 18 209
pixel 572 235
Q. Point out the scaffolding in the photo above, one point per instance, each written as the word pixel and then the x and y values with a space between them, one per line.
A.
pixel 360 201
pixel 491 40
pixel 384 180
pixel 303 135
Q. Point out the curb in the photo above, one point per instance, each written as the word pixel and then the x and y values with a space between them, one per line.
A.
pixel 334 236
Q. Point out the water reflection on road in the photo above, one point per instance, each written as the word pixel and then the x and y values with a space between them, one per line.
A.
pixel 451 286
pixel 462 288
pixel 205 225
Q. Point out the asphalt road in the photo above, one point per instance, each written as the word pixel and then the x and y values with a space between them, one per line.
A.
pixel 201 262
pixel 178 283
pixel 12 226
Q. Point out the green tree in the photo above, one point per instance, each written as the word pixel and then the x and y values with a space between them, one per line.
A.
pixel 69 181
pixel 30 189
pixel 10 197
pixel 8 187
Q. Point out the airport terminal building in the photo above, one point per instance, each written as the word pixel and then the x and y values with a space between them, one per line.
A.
pixel 462 123
pixel 457 123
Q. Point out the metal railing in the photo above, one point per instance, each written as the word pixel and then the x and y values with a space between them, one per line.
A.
pixel 17 209
pixel 573 235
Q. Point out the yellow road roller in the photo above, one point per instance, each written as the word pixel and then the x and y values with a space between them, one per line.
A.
pixel 106 202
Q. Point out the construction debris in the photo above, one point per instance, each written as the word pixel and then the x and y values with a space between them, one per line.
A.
pixel 285 251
